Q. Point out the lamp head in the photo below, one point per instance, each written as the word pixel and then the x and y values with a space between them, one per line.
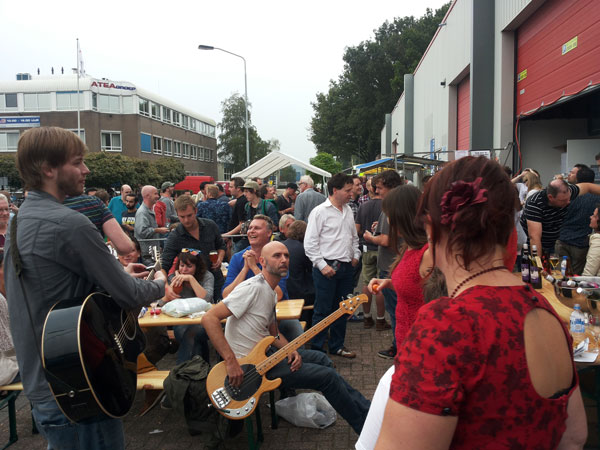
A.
pixel 205 47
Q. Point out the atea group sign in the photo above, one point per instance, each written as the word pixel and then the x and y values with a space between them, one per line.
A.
pixel 107 87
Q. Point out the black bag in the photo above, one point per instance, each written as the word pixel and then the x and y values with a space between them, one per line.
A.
pixel 186 388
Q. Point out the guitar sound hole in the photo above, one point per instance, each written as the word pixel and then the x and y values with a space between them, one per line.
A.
pixel 128 322
pixel 250 384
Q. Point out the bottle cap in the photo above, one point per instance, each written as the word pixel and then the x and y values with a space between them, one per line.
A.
pixel 576 306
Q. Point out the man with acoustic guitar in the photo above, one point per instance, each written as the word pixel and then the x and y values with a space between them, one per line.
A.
pixel 62 256
pixel 250 313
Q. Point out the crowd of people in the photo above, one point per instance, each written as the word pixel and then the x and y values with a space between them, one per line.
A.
pixel 470 365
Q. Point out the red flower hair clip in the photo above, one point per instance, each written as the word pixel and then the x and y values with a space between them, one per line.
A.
pixel 460 195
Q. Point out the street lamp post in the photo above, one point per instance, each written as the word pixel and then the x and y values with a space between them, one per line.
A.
pixel 210 47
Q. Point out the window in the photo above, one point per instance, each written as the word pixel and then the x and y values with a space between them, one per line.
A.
pixel 186 150
pixel 144 108
pixel 192 124
pixel 186 121
pixel 109 103
pixel 94 101
pixel 227 171
pixel 157 145
pixel 155 111
pixel 145 143
pixel 68 100
pixel 201 154
pixel 37 102
pixel 166 114
pixel 176 118
pixel 81 134
pixel 177 149
pixel 194 154
pixel 127 104
pixel 110 141
pixel 167 145
pixel 8 141
pixel 11 101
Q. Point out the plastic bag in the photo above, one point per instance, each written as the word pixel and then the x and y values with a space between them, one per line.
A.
pixel 308 409
pixel 185 306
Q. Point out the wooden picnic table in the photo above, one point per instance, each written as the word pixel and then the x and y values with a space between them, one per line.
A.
pixel 286 309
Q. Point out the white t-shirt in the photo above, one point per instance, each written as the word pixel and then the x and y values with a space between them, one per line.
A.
pixel 252 304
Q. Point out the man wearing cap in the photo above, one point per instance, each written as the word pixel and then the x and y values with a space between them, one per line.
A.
pixel 285 202
pixel 164 208
pixel 254 205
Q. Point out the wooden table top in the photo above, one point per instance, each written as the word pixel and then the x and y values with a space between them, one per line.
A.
pixel 286 309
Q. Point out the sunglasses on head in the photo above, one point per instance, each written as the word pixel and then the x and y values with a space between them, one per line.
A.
pixel 191 251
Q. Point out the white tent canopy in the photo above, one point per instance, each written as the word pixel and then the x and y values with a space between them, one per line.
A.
pixel 273 162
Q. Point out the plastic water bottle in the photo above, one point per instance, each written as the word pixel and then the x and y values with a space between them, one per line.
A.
pixel 577 325
pixel 563 266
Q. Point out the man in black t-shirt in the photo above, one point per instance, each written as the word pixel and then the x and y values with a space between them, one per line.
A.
pixel 128 217
pixel 285 202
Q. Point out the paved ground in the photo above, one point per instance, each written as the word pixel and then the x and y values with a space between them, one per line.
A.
pixel 362 372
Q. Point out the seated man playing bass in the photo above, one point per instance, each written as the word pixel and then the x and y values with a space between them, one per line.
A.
pixel 250 313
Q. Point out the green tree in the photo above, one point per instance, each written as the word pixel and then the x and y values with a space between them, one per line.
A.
pixel 326 162
pixel 8 169
pixel 231 144
pixel 348 118
pixel 287 175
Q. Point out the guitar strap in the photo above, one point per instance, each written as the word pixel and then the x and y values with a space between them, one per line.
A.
pixel 18 264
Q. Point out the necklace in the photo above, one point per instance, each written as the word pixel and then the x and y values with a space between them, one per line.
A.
pixel 475 275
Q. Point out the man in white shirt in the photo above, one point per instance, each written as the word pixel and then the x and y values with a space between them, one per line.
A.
pixel 250 314
pixel 331 243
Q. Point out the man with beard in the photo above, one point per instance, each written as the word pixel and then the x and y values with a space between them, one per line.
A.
pixel 250 314
pixel 62 257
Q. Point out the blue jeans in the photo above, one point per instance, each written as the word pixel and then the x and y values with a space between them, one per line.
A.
pixel 193 341
pixel 329 292
pixel 291 329
pixel 97 433
pixel 390 300
pixel 317 373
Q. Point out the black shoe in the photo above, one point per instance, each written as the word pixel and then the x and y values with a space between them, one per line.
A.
pixel 389 353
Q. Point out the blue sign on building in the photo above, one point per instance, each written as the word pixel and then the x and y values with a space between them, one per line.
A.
pixel 19 121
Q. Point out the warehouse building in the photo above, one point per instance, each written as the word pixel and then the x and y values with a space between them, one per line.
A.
pixel 115 117
pixel 513 79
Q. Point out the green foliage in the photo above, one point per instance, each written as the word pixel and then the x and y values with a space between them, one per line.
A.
pixel 110 170
pixel 8 168
pixel 348 118
pixel 231 145
pixel 326 162
pixel 287 175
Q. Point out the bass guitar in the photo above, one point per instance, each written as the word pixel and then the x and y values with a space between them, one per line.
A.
pixel 239 402
pixel 90 348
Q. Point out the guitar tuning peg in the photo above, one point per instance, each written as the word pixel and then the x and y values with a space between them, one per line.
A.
pixel 349 296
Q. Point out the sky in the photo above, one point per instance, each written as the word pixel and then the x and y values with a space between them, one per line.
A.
pixel 292 50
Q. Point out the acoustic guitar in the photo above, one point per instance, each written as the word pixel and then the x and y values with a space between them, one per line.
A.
pixel 239 402
pixel 90 348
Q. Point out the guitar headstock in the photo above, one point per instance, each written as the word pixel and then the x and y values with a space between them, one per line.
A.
pixel 349 305
pixel 155 253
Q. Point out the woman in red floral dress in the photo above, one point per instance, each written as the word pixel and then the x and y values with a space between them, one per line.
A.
pixel 489 366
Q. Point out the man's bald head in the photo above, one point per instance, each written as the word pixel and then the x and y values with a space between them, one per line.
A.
pixel 559 195
pixel 125 190
pixel 275 259
pixel 150 195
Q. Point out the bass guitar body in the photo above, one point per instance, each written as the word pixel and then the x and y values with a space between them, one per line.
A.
pixel 240 402
pixel 90 348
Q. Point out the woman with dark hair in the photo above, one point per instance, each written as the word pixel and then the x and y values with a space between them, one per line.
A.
pixel 192 279
pixel 300 282
pixel 412 265
pixel 491 365
pixel 592 260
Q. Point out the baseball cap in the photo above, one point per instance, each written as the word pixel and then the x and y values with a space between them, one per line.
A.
pixel 166 185
pixel 251 185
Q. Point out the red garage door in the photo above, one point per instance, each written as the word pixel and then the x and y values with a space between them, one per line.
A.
pixel 558 52
pixel 463 114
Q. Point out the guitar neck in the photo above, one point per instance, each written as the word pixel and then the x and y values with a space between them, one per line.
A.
pixel 283 352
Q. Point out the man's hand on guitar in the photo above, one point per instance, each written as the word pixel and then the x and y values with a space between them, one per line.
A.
pixel 137 270
pixel 170 293
pixel 234 372
pixel 294 360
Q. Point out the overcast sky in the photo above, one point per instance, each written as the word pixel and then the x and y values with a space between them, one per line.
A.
pixel 292 50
